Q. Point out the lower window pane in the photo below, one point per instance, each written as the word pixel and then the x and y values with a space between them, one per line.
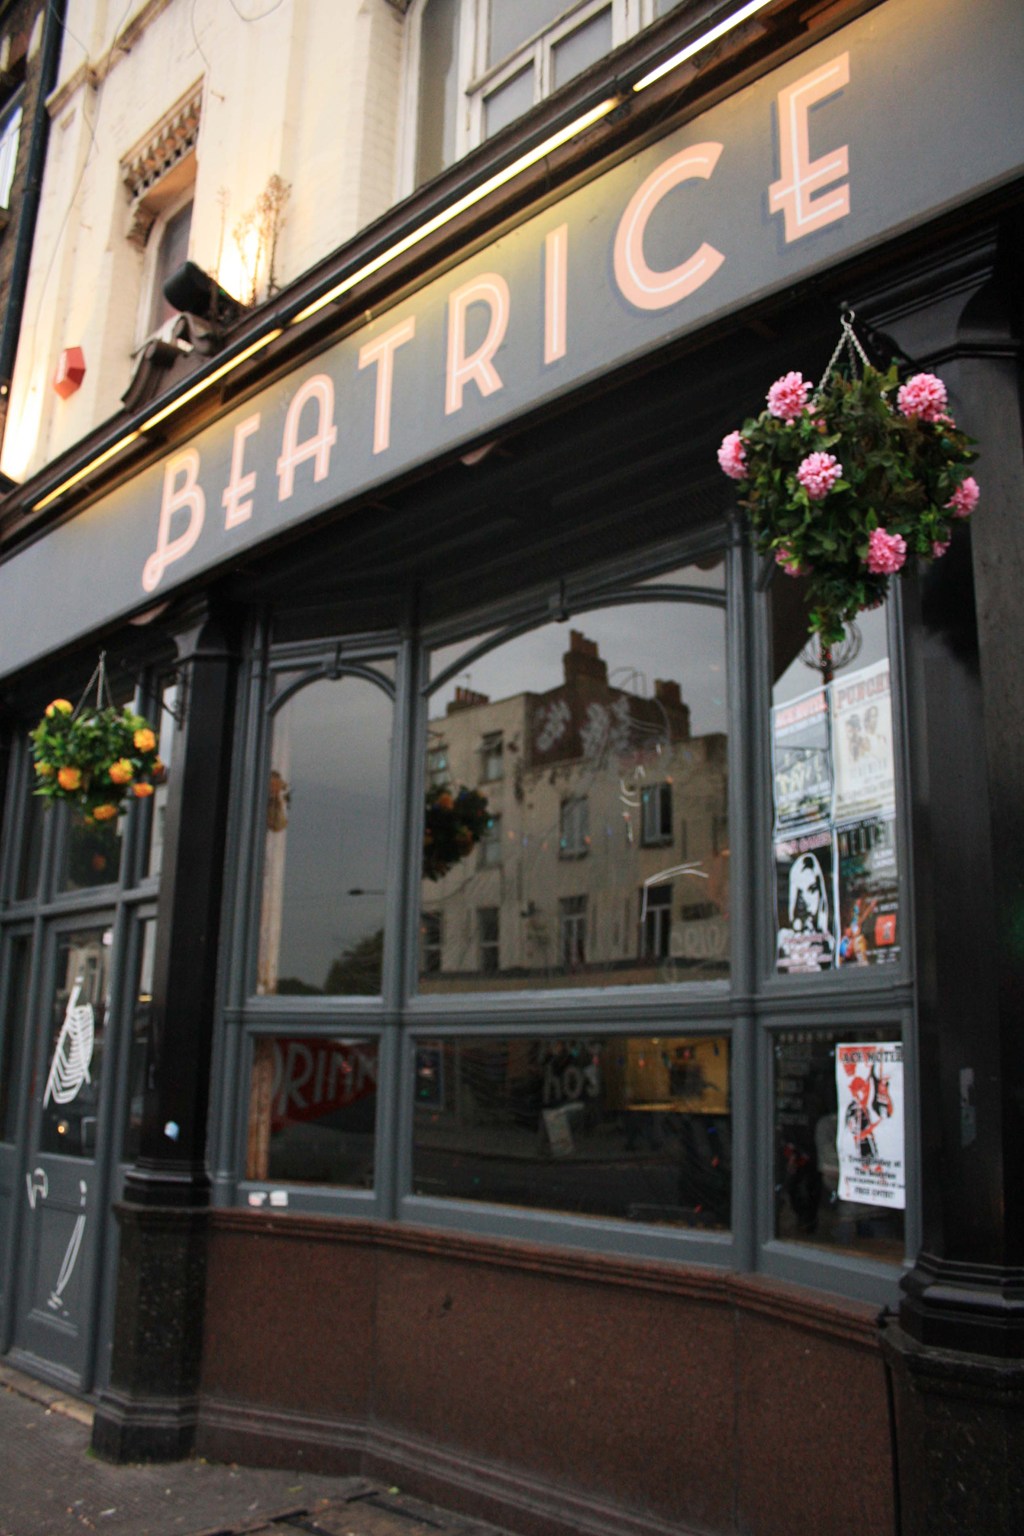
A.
pixel 312 1109
pixel 839 1141
pixel 633 1127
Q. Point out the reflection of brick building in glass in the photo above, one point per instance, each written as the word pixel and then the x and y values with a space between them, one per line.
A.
pixel 607 856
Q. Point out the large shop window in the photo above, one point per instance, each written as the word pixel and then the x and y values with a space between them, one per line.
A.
pixel 326 817
pixel 529 961
pixel 610 724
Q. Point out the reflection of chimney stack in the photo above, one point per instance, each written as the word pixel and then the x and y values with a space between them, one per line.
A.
pixel 582 659
pixel 466 698
pixel 669 695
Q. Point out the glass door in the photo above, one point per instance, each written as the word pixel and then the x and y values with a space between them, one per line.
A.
pixel 63 1200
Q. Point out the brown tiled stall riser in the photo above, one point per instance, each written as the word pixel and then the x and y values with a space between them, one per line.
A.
pixel 549 1390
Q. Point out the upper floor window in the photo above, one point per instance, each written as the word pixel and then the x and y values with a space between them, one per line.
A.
pixel 10 137
pixel 170 239
pixel 480 64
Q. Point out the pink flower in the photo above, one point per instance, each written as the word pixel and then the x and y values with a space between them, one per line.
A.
pixel 924 395
pixel 785 557
pixel 788 396
pixel 886 552
pixel 965 498
pixel 939 547
pixel 818 474
pixel 732 456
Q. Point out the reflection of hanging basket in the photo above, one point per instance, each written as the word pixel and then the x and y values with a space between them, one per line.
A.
pixel 846 485
pixel 95 757
pixel 454 824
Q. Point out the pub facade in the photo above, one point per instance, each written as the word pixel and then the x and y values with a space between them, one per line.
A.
pixel 553 1038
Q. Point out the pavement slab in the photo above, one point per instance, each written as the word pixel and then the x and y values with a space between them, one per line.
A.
pixel 51 1484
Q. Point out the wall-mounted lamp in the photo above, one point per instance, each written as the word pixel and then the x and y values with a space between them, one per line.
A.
pixel 195 292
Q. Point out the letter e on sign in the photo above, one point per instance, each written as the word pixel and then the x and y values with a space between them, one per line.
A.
pixel 793 195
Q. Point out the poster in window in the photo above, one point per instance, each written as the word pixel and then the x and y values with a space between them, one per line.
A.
pixel 869 893
pixel 804 900
pixel 869 1130
pixel 801 769
pixel 862 752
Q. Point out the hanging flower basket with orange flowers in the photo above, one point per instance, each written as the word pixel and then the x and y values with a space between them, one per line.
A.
pixel 455 823
pixel 849 483
pixel 95 757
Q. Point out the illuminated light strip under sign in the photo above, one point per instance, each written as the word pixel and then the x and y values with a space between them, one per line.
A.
pixel 454 209
pixel 212 378
pixel 101 458
pixel 408 242
pixel 704 41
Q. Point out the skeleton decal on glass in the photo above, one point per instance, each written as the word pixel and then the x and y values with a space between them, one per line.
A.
pixel 55 1299
pixel 69 1069
pixel 72 1086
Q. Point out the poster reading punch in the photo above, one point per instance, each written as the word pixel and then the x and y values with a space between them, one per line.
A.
pixel 869 1131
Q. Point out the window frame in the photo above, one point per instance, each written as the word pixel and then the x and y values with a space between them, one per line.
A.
pixel 151 259
pixel 12 119
pixel 750 1006
pixel 477 80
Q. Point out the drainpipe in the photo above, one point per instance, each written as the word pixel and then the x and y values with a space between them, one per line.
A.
pixel 53 31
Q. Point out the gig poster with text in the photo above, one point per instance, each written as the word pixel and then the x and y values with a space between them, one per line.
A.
pixel 870 1123
pixel 835 852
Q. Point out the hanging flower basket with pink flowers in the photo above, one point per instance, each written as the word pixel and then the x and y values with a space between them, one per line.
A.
pixel 847 484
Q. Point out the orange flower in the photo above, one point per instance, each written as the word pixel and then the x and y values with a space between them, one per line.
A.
pixel 142 791
pixel 144 740
pixel 59 707
pixel 121 772
pixel 444 802
pixel 104 812
pixel 69 778
pixel 44 770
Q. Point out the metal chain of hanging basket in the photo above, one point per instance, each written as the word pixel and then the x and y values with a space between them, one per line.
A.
pixel 95 754
pixel 849 484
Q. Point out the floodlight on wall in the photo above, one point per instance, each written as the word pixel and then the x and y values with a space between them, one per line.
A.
pixel 195 292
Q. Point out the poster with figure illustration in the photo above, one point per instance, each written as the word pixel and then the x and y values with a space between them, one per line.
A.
pixel 870 1123
pixel 801 770
pixel 806 931
pixel 862 755
pixel 870 930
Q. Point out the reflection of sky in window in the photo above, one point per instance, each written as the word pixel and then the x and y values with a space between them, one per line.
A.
pixel 799 678
pixel 336 764
pixel 678 641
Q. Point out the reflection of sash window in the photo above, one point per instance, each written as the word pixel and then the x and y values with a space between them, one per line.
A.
pixel 437 767
pixel 574 828
pixel 572 911
pixel 490 844
pixel 655 935
pixel 492 756
pixel 431 934
pixel 657 815
pixel 487 937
